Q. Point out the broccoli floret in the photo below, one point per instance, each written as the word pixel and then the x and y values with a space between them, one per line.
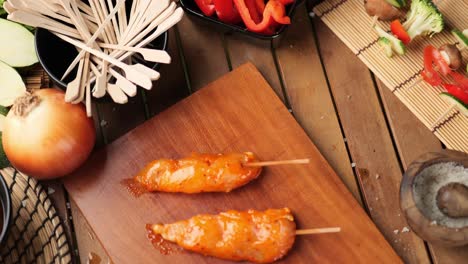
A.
pixel 423 19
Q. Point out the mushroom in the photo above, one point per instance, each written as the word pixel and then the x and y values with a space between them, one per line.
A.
pixel 452 200
pixel 451 55
pixel 382 9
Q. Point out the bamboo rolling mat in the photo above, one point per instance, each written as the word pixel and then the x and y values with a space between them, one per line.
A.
pixel 350 22
pixel 35 234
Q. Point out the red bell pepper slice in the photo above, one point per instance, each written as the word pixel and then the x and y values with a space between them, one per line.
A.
pixel 226 11
pixel 430 75
pixel 286 2
pixel 399 31
pixel 260 6
pixel 206 6
pixel 460 79
pixel 442 65
pixel 274 12
pixel 254 13
pixel 457 91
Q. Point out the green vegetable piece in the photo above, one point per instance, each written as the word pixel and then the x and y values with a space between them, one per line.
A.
pixel 3 110
pixel 463 108
pixel 397 3
pixel 461 37
pixel 386 45
pixel 397 45
pixel 3 13
pixel 17 45
pixel 3 158
pixel 423 19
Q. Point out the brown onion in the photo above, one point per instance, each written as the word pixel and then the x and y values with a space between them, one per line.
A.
pixel 45 137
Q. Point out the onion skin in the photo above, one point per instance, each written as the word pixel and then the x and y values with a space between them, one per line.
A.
pixel 51 140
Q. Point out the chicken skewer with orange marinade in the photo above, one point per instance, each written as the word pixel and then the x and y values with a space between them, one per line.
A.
pixel 256 236
pixel 201 173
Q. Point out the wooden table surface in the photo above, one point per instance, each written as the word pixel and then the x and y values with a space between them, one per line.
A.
pixel 367 135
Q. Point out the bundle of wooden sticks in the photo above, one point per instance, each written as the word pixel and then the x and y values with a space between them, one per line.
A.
pixel 106 35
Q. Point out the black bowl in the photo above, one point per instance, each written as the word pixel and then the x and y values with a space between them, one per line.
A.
pixel 55 55
pixel 191 8
pixel 5 200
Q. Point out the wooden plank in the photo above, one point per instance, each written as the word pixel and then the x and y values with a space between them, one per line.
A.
pixel 370 143
pixel 87 240
pixel 414 139
pixel 308 93
pixel 203 52
pixel 242 49
pixel 112 121
pixel 172 86
pixel 117 119
pixel 320 200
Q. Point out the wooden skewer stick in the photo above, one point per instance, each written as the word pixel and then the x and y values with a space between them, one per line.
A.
pixel 114 20
pixel 35 20
pixel 277 162
pixel 131 73
pixel 374 21
pixel 170 21
pixel 105 12
pixel 318 231
pixel 136 16
pixel 116 94
pixel 101 28
pixel 97 13
pixel 89 111
pixel 419 80
pixel 122 15
pixel 443 116
pixel 100 87
pixel 153 55
pixel 73 87
pixel 153 11
pixel 163 22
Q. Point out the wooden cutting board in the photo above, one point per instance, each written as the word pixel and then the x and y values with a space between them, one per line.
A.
pixel 238 112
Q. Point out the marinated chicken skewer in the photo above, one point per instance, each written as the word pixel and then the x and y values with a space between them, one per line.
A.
pixel 201 173
pixel 256 236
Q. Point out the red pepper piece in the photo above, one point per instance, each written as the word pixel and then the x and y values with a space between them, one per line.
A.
pixel 399 31
pixel 253 11
pixel 275 12
pixel 206 6
pixel 429 74
pixel 286 2
pixel 430 78
pixel 226 11
pixel 460 79
pixel 457 91
pixel 260 6
pixel 443 66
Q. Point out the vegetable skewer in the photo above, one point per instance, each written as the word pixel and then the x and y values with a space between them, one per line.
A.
pixel 256 236
pixel 455 104
pixel 447 58
pixel 201 173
